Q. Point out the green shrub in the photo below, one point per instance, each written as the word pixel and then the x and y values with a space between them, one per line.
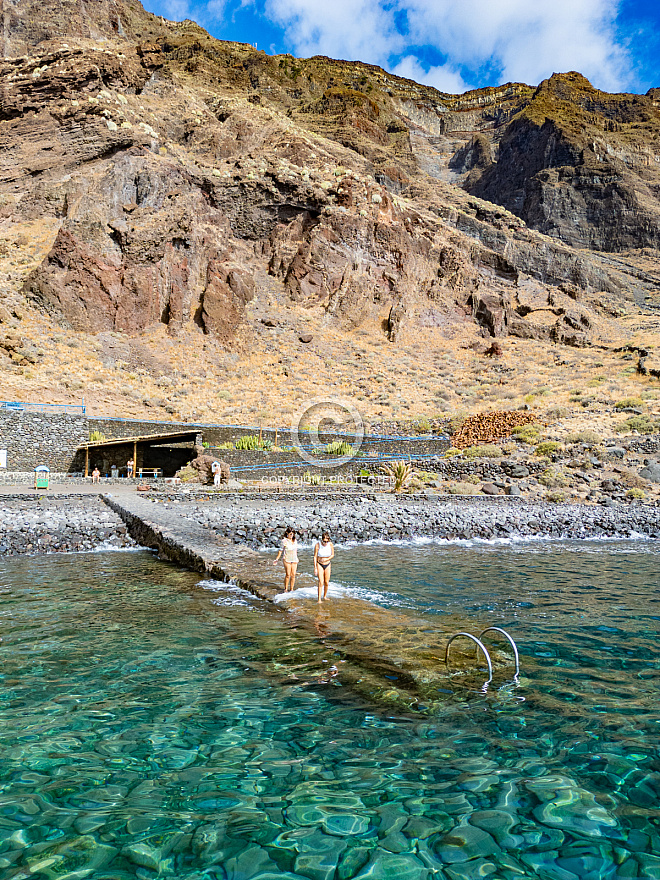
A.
pixel 339 447
pixel 527 433
pixel 596 381
pixel 426 476
pixel 629 402
pixel 556 496
pixel 251 442
pixel 588 437
pixel 642 424
pixel 227 445
pixel 553 478
pixel 635 494
pixel 96 437
pixel 452 452
pixel 423 426
pixel 488 450
pixel 548 447
pixel 188 474
pixel 575 394
pixel 473 478
pixel 536 392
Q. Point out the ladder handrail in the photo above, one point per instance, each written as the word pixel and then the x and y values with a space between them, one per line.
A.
pixel 480 645
pixel 506 636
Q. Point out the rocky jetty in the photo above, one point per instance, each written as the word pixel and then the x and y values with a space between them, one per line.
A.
pixel 57 525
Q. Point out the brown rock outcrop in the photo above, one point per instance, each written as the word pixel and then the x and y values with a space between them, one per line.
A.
pixel 203 463
pixel 174 169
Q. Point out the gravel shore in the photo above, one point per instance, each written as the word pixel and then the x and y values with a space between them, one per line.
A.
pixel 261 525
pixel 56 525
pixel 47 525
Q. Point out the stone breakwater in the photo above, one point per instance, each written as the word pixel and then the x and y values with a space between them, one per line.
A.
pixel 385 654
pixel 70 523
pixel 56 525
pixel 261 525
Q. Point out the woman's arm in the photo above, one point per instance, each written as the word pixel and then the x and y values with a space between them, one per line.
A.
pixel 332 552
pixel 316 555
pixel 277 558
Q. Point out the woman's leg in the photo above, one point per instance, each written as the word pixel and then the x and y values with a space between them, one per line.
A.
pixel 319 578
pixel 287 576
pixel 326 581
pixel 292 577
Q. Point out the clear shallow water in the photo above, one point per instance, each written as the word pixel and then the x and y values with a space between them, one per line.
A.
pixel 153 727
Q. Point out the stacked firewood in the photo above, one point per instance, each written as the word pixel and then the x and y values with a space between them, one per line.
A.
pixel 489 427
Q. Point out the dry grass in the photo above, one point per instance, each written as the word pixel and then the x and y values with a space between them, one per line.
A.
pixel 265 377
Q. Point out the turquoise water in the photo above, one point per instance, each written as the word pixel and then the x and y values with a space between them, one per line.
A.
pixel 155 727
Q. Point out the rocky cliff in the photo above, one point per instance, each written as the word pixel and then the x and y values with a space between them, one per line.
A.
pixel 165 178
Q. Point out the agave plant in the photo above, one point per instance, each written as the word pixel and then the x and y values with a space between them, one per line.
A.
pixel 401 473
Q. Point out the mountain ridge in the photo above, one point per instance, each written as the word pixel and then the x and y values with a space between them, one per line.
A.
pixel 165 182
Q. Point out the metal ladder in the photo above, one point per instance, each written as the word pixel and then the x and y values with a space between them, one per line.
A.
pixel 480 645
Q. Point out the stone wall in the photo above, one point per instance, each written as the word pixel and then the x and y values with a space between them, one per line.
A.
pixel 216 434
pixel 33 439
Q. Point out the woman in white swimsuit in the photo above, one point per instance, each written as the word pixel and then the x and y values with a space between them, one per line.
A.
pixel 290 551
pixel 323 555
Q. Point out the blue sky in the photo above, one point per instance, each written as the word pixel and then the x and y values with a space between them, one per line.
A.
pixel 451 44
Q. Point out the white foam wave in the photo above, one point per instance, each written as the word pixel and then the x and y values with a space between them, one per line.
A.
pixel 335 591
pixel 342 591
pixel 230 595
pixel 522 542
pixel 109 547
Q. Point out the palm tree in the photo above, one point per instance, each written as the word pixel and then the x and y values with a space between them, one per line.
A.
pixel 401 473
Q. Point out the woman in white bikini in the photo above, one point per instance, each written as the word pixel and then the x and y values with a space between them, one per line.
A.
pixel 290 551
pixel 323 555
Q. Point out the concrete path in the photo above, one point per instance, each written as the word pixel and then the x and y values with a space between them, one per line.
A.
pixel 396 655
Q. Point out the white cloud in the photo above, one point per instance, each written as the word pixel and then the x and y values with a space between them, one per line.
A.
pixel 361 30
pixel 203 13
pixel 216 9
pixel 176 10
pixel 444 78
pixel 526 41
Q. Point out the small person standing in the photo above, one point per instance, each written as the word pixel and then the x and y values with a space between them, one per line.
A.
pixel 216 470
pixel 290 551
pixel 129 468
pixel 324 553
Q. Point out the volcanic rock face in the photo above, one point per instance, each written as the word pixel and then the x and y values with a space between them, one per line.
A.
pixel 171 170
pixel 579 164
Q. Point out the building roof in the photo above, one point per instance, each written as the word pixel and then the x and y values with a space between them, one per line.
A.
pixel 144 438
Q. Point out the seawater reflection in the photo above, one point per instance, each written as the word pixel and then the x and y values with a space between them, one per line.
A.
pixel 151 727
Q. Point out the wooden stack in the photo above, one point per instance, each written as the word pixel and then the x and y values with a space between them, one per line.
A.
pixel 489 427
